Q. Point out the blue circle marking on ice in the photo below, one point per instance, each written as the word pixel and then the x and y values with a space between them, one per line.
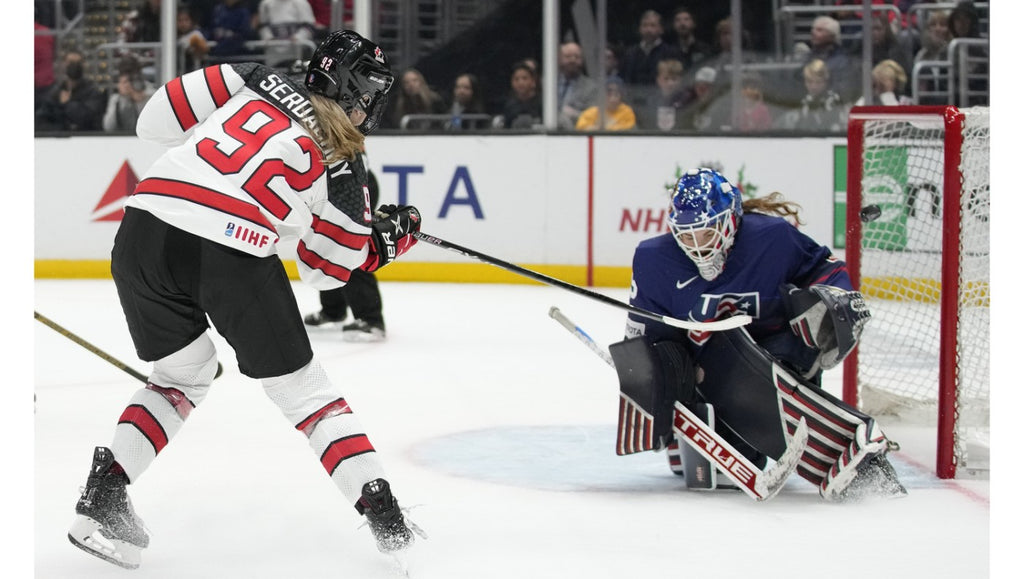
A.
pixel 558 457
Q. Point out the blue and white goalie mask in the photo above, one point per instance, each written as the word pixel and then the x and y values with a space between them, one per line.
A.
pixel 705 213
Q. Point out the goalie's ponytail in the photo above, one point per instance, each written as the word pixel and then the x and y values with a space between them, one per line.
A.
pixel 774 204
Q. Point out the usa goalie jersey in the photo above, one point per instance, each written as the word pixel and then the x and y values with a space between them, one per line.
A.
pixel 243 135
pixel 768 252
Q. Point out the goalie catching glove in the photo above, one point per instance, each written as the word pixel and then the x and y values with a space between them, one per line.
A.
pixel 391 234
pixel 827 318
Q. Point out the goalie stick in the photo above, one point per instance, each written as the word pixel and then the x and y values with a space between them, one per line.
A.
pixel 758 484
pixel 726 324
pixel 88 346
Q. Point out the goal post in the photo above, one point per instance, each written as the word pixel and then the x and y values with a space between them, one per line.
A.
pixel 920 256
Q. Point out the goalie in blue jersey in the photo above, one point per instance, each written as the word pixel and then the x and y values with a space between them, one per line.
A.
pixel 726 256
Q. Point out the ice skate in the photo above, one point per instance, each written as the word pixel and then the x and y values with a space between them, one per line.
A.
pixel 363 331
pixel 875 477
pixel 107 526
pixel 384 517
pixel 322 321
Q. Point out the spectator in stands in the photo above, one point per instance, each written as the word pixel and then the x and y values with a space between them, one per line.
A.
pixel 612 58
pixel 202 10
pixel 934 42
pixel 522 109
pixel 721 52
pixel 414 97
pixel 143 23
pixel 45 47
pixel 886 45
pixel 753 114
pixel 576 90
pixel 707 110
pixel 467 98
pixel 639 64
pixel 74 103
pixel 888 85
pixel 965 23
pixel 618 116
pixel 192 45
pixel 691 50
pixel 821 109
pixel 322 18
pixel 285 20
pixel 826 45
pixel 230 27
pixel 665 112
pixel 936 37
pixel 124 106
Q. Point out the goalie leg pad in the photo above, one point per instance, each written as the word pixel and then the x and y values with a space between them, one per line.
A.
pixel 862 470
pixel 652 377
pixel 757 397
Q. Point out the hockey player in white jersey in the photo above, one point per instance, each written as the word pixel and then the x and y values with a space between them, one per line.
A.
pixel 253 158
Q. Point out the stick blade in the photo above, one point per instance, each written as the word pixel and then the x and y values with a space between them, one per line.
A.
pixel 775 478
pixel 712 326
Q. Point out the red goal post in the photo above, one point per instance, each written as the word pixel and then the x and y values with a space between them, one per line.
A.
pixel 920 255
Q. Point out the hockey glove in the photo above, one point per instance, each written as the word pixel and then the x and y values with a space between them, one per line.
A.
pixel 828 318
pixel 390 236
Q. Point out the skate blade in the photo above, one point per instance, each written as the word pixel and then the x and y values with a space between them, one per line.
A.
pixel 85 534
pixel 362 337
pixel 400 559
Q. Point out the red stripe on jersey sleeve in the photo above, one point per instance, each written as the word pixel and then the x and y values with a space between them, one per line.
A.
pixel 345 448
pixel 338 234
pixel 139 417
pixel 218 87
pixel 179 103
pixel 316 262
pixel 206 197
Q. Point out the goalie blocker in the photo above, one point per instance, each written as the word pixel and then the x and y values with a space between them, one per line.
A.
pixel 754 403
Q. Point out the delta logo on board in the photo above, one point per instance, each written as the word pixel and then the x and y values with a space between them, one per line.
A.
pixel 111 205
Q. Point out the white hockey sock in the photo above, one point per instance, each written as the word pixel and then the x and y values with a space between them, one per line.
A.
pixel 178 384
pixel 146 426
pixel 316 407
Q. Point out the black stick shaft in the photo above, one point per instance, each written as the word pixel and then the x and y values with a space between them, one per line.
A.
pixel 533 274
pixel 736 321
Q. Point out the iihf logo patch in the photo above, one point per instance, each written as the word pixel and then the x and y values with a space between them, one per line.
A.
pixel 378 54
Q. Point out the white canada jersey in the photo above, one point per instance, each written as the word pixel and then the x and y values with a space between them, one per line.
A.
pixel 243 171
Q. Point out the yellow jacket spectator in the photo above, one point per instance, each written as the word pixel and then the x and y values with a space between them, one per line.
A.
pixel 618 116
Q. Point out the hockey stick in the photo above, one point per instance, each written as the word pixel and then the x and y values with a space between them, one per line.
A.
pixel 760 485
pixel 726 324
pixel 81 342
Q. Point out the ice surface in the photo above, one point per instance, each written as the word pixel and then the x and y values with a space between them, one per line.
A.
pixel 494 423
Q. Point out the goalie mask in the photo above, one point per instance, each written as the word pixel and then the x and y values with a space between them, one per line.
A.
pixel 705 214
pixel 354 72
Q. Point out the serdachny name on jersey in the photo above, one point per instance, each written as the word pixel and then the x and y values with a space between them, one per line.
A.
pixel 296 104
pixel 246 235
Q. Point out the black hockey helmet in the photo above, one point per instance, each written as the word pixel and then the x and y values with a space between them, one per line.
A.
pixel 354 72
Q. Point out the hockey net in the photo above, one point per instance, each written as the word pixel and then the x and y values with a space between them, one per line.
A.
pixel 922 262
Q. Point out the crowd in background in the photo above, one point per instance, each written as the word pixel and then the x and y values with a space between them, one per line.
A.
pixel 674 74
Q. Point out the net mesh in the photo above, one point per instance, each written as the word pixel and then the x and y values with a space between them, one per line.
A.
pixel 901 271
